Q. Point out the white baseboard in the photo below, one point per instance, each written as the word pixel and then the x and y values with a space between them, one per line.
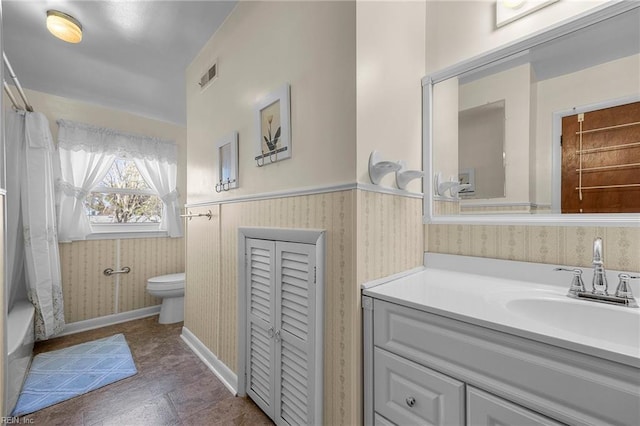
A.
pixel 226 376
pixel 93 323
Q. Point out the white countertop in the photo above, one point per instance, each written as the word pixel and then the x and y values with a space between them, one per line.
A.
pixel 525 308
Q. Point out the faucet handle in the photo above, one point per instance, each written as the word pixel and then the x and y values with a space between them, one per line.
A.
pixel 598 256
pixel 624 290
pixel 577 285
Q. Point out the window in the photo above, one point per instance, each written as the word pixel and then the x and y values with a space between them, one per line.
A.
pixel 113 184
pixel 123 197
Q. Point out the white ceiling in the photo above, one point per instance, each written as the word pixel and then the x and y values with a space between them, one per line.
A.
pixel 132 57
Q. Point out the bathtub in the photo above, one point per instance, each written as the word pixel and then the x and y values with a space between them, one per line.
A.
pixel 20 339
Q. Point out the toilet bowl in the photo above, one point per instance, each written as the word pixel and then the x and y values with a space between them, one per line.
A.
pixel 171 289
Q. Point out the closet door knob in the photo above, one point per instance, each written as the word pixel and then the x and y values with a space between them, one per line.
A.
pixel 278 336
pixel 270 332
pixel 411 401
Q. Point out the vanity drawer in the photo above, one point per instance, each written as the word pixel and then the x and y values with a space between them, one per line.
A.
pixel 378 420
pixel 409 394
pixel 484 409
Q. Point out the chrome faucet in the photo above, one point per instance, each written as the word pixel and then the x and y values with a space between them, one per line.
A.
pixel 599 290
pixel 599 282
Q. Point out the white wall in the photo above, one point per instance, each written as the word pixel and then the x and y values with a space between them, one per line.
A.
pixel 261 46
pixel 390 66
pixel 446 107
pixel 459 30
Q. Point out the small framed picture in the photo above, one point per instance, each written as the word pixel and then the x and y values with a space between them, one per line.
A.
pixel 227 149
pixel 273 122
pixel 467 177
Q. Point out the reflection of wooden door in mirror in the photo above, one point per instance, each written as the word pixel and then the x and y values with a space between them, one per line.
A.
pixel 601 161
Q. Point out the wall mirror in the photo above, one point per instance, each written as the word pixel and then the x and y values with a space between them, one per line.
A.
pixel 227 150
pixel 493 128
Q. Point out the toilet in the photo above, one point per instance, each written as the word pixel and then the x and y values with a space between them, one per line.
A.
pixel 170 288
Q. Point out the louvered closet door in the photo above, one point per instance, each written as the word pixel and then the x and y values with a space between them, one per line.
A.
pixel 295 341
pixel 260 323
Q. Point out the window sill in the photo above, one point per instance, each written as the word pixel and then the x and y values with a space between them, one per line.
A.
pixel 124 235
pixel 111 232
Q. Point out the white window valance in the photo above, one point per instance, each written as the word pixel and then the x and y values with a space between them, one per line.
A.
pixel 74 136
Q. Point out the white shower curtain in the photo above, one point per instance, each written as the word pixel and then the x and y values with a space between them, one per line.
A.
pixel 17 285
pixel 31 167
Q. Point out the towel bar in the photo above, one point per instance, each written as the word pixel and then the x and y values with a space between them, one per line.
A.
pixel 108 272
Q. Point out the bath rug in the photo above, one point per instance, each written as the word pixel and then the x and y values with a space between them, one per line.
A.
pixel 60 375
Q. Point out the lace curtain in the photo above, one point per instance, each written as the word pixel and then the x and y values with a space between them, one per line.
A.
pixel 161 176
pixel 86 155
pixel 74 136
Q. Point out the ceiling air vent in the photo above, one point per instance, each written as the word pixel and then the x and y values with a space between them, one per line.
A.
pixel 209 76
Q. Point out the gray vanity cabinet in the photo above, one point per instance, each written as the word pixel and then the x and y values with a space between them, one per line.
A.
pixel 426 368
pixel 411 394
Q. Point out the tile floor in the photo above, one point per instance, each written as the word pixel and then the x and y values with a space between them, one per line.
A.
pixel 172 387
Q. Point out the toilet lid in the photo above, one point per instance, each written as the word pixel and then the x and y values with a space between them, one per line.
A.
pixel 166 286
pixel 167 279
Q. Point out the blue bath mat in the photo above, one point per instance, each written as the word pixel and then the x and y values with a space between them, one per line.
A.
pixel 63 374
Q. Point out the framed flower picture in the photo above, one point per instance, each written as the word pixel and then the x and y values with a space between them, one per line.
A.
pixel 273 123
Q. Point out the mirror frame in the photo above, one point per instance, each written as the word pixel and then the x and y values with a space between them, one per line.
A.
pixel 486 60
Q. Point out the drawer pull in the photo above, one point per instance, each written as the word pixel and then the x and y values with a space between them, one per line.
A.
pixel 411 401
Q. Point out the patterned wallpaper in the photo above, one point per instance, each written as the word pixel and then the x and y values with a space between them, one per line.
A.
pixel 353 220
pixel 445 207
pixel 565 245
pixel 88 293
pixel 202 289
pixel 147 257
pixel 389 240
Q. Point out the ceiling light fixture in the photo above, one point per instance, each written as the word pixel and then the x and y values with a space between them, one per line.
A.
pixel 64 26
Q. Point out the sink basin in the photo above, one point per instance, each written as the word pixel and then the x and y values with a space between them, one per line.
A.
pixel 612 324
pixel 528 309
